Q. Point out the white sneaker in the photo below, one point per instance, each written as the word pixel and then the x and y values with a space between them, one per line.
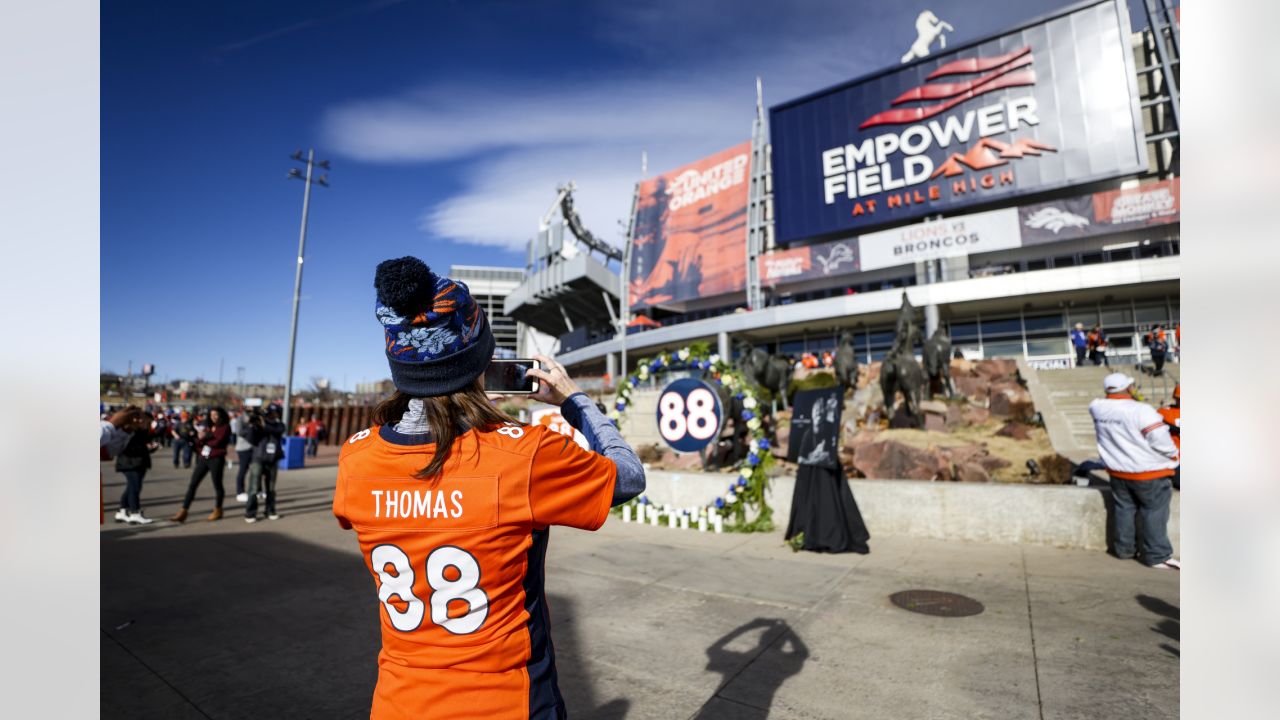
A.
pixel 242 498
pixel 122 516
pixel 262 496
pixel 138 519
pixel 273 516
pixel 251 519
pixel 1169 564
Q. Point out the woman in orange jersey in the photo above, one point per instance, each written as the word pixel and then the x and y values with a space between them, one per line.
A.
pixel 452 502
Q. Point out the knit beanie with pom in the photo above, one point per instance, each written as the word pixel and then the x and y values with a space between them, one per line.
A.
pixel 437 338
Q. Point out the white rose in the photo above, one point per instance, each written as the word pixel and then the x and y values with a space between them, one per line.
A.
pixel 715 358
pixel 745 472
pixel 754 423
pixel 749 402
pixel 615 415
pixel 731 498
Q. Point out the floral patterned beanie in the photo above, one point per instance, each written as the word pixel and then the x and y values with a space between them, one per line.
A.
pixel 438 339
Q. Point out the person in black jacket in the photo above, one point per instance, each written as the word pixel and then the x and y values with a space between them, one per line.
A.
pixel 133 462
pixel 267 437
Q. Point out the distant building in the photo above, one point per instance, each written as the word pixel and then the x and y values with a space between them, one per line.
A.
pixel 490 286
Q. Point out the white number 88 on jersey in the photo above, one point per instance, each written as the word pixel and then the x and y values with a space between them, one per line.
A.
pixel 688 414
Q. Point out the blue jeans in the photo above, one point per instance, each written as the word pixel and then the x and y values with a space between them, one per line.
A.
pixel 313 444
pixel 183 448
pixel 1149 501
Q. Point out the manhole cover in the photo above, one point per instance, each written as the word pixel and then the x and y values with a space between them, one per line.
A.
pixel 934 602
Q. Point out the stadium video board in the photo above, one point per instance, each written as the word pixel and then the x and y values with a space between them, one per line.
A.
pixel 690 232
pixel 1046 106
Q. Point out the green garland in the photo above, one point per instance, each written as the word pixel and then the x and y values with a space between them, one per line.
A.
pixel 747 492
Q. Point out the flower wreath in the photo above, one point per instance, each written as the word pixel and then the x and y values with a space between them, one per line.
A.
pixel 747 491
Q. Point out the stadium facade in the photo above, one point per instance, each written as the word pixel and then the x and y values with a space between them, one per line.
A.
pixel 1012 187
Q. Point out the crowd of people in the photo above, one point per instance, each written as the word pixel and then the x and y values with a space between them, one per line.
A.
pixel 1093 345
pixel 206 441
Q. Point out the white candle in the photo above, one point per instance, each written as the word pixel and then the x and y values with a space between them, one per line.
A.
pixel 626 513
pixel 684 522
pixel 702 524
pixel 719 524
pixel 653 518
pixel 672 520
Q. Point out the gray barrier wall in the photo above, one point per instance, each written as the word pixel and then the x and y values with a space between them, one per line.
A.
pixel 1057 515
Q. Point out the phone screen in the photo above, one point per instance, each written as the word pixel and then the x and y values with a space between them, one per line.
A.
pixel 508 376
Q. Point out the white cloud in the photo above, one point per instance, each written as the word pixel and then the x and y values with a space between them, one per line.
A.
pixel 519 141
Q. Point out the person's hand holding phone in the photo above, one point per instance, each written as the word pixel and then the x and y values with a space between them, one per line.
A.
pixel 554 384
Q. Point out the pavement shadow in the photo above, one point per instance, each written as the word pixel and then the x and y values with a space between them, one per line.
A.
pixel 575 683
pixel 781 654
pixel 260 625
pixel 251 625
pixel 1169 626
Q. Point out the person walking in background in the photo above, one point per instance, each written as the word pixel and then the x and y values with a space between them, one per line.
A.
pixel 1173 418
pixel 211 460
pixel 160 429
pixel 1141 459
pixel 1098 346
pixel 244 451
pixel 134 461
pixel 1079 341
pixel 1158 344
pixel 184 435
pixel 268 447
pixel 313 436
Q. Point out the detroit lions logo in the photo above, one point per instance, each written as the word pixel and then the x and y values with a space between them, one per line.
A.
pixel 1055 219
pixel 839 255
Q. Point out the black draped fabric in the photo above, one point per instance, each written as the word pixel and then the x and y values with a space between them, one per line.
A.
pixel 823 509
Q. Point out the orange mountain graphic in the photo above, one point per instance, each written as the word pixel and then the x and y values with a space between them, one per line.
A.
pixel 988 153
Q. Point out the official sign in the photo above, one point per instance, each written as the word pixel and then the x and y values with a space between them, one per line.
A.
pixel 1042 107
pixel 960 235
pixel 806 263
pixel 689 415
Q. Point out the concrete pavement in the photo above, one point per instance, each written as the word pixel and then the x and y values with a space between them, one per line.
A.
pixel 279 620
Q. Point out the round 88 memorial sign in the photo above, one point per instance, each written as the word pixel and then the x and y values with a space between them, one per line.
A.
pixel 689 414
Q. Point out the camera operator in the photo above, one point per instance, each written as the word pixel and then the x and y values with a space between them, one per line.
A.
pixel 267 436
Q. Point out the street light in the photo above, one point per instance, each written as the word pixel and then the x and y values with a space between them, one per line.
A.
pixel 323 181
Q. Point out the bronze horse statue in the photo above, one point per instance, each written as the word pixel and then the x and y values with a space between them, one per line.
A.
pixel 899 371
pixel 769 372
pixel 937 362
pixel 847 362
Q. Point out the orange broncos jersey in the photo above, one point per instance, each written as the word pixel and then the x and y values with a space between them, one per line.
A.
pixel 457 564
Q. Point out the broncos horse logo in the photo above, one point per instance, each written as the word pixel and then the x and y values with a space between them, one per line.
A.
pixel 928 29
pixel 1055 219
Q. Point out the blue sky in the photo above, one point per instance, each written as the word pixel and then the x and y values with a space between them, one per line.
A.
pixel 448 126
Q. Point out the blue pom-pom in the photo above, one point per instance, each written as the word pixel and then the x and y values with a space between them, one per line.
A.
pixel 747 414
pixel 742 482
pixel 634 380
pixel 405 285
pixel 620 406
pixel 739 396
pixel 764 444
pixel 753 459
pixel 719 503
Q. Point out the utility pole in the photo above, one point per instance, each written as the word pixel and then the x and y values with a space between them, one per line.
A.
pixel 323 180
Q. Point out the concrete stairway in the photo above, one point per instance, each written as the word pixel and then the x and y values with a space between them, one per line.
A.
pixel 1062 397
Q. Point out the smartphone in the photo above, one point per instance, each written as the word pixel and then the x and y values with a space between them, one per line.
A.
pixel 508 376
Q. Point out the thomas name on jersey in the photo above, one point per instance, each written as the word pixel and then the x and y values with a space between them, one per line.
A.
pixel 416 504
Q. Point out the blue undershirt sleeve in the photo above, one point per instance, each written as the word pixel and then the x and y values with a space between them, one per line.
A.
pixel 603 436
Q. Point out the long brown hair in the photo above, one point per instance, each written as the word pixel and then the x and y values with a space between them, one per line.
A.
pixel 448 416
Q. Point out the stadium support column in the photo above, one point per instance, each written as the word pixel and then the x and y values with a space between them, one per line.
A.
pixel 611 366
pixel 758 199
pixel 624 289
pixel 722 346
pixel 930 319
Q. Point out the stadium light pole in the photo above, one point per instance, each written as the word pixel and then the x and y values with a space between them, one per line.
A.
pixel 323 181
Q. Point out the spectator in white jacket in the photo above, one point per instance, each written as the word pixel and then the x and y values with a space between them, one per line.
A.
pixel 1140 457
